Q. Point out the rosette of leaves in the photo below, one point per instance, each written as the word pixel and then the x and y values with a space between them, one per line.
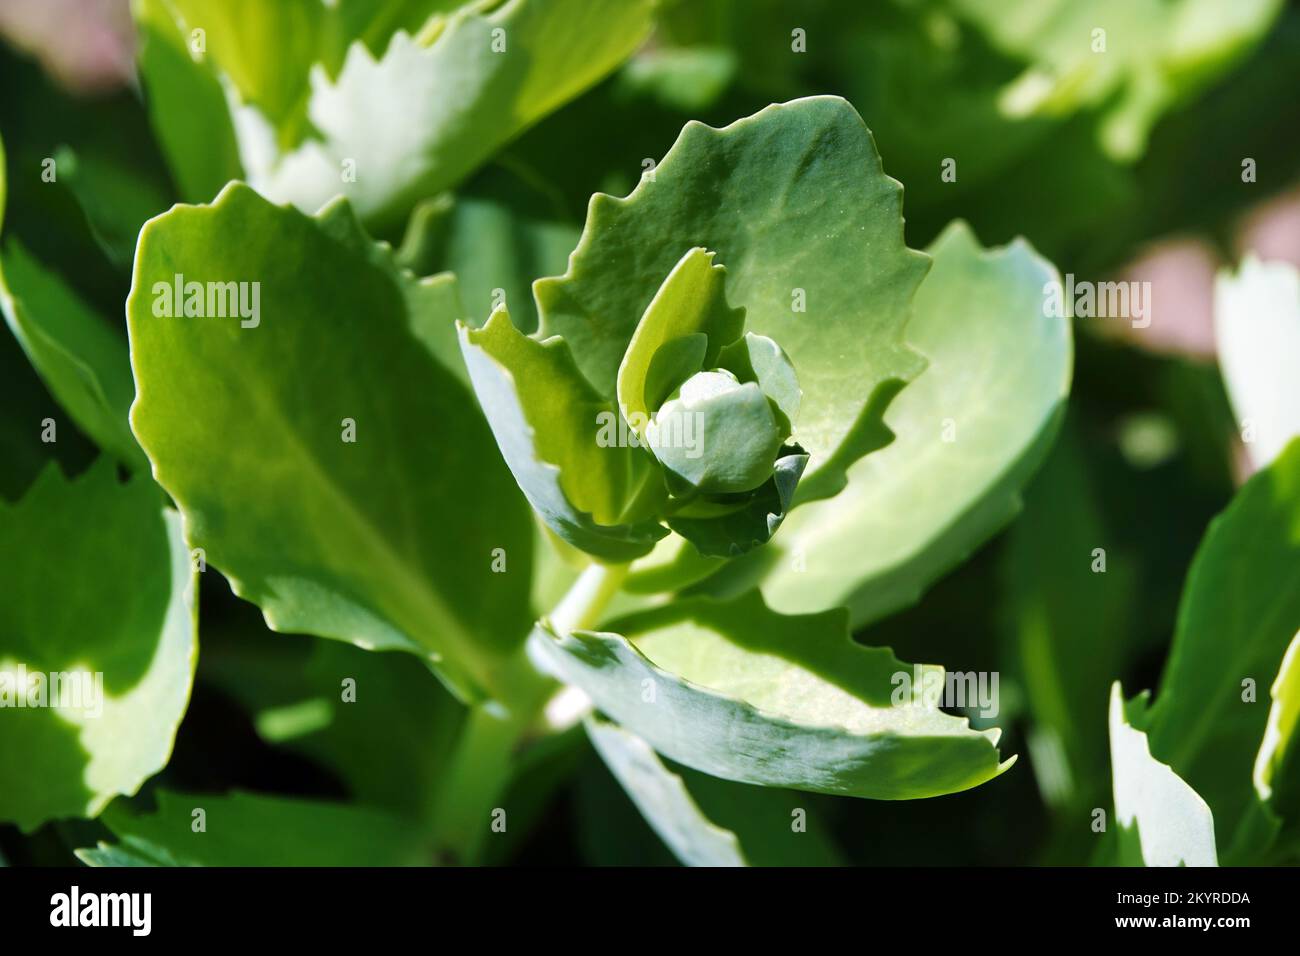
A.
pixel 695 437
pixel 707 346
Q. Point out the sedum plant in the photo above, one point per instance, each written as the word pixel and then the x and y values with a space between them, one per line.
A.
pixel 649 487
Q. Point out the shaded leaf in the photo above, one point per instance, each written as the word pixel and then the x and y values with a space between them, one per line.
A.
pixel 247 829
pixel 84 365
pixel 97 642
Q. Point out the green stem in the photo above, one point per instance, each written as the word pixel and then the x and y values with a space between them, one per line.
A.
pixel 588 597
pixel 471 791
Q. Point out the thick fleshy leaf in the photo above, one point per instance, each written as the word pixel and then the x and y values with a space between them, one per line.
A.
pixel 84 365
pixel 692 301
pixel 341 480
pixel 431 109
pixel 1161 820
pixel 97 642
pixel 969 432
pixel 663 799
pixel 740 692
pixel 248 829
pixel 1240 610
pixel 548 422
pixel 795 204
pixel 1257 331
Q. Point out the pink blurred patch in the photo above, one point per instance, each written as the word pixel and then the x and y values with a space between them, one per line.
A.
pixel 87 46
pixel 1181 272
pixel 1272 230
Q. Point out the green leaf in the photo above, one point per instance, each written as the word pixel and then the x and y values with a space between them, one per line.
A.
pixel 663 799
pixel 387 541
pixel 132 851
pixel 547 422
pixel 84 365
pixel 738 530
pixel 1151 56
pixel 740 692
pixel 1269 823
pixel 1257 332
pixel 248 829
pixel 969 432
pixel 499 233
pixel 795 204
pixel 433 108
pixel 99 595
pixel 389 739
pixel 758 826
pixel 1240 609
pixel 691 301
pixel 187 106
pixel 263 49
pixel 116 199
pixel 1161 820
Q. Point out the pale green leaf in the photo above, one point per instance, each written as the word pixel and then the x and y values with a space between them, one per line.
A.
pixel 1161 820
pixel 968 434
pixel 692 301
pixel 1257 331
pixel 740 692
pixel 663 799
pixel 98 595
pixel 387 540
pixel 548 423
pixel 432 108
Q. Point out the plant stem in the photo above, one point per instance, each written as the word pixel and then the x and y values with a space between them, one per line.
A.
pixel 474 784
pixel 588 597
